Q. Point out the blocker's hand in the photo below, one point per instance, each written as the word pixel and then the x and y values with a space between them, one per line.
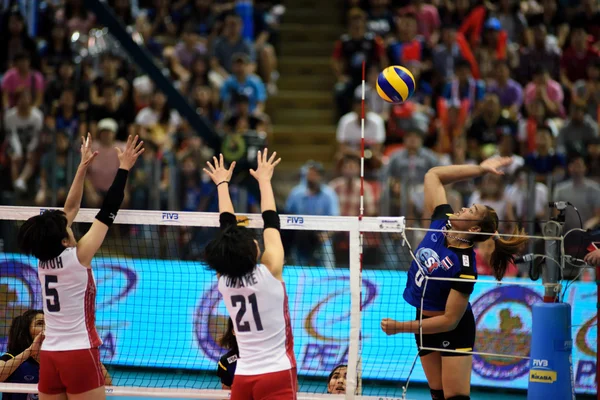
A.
pixel 264 171
pixel 133 149
pixel 593 258
pixel 87 155
pixel 217 171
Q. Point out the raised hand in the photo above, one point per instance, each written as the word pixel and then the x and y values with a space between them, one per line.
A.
pixel 217 171
pixel 133 149
pixel 494 165
pixel 36 346
pixel 264 171
pixel 87 155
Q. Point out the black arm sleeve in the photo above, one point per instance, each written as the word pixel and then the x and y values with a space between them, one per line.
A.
pixel 227 219
pixel 467 272
pixel 6 357
pixel 441 212
pixel 271 219
pixel 113 199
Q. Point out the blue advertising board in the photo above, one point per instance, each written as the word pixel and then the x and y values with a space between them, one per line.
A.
pixel 165 313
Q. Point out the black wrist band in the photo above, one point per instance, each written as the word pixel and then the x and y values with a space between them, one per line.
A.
pixel 113 199
pixel 271 219
pixel 220 183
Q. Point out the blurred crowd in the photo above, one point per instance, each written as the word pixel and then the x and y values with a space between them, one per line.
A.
pixel 493 78
pixel 72 77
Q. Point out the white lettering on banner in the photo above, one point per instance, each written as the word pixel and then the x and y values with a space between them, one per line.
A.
pixel 170 216
pixel 540 363
pixel 390 224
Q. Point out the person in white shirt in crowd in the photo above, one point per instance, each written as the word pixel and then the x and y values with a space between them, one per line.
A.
pixel 492 191
pixel 23 125
pixel 348 134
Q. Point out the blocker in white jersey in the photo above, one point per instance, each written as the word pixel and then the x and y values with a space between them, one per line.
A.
pixel 69 358
pixel 258 306
pixel 69 303
pixel 253 291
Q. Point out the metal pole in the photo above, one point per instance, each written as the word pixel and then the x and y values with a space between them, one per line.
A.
pixel 530 208
pixel 552 266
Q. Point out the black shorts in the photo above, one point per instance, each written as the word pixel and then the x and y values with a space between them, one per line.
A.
pixel 462 338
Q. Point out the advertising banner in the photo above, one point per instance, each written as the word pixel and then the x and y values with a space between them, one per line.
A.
pixel 169 314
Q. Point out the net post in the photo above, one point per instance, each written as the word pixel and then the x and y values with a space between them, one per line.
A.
pixel 550 364
pixel 352 382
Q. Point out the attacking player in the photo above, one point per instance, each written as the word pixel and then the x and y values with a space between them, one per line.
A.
pixel 448 322
pixel 254 291
pixel 69 358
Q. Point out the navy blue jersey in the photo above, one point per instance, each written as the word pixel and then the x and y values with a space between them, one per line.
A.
pixel 226 367
pixel 438 260
pixel 28 372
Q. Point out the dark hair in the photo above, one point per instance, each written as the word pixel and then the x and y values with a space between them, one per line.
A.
pixel 462 63
pixel 232 252
pixel 42 235
pixel 19 338
pixel 544 128
pixel 505 249
pixel 228 340
pixel 333 371
pixel 21 55
pixel 539 70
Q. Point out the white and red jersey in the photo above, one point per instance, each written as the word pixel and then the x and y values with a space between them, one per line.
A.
pixel 69 303
pixel 258 306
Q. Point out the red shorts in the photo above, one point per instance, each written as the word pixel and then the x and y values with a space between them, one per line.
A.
pixel 73 371
pixel 281 385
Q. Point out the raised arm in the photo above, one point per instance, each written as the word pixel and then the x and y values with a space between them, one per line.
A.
pixel 73 201
pixel 92 240
pixel 221 177
pixel 273 255
pixel 8 367
pixel 437 177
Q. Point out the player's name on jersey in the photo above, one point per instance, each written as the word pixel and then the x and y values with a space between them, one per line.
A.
pixel 244 281
pixel 55 263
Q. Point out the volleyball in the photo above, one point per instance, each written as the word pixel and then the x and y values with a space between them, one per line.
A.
pixel 395 84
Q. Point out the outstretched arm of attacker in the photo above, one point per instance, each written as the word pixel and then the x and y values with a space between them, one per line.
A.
pixel 437 177
pixel 273 257
pixel 92 240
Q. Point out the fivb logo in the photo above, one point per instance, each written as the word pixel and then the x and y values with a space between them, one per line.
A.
pixel 540 363
pixel 295 221
pixel 170 216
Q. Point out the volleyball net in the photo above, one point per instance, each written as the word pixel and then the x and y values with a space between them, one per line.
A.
pixel 160 315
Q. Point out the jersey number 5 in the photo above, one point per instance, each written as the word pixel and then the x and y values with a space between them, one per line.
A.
pixel 52 302
pixel 241 301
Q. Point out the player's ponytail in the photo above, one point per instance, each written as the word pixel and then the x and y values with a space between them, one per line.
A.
pixel 504 249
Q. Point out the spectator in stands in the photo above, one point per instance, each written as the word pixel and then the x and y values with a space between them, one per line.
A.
pixel 490 126
pixel 492 48
pixel 265 23
pixel 555 19
pixel 545 160
pixel 243 81
pixel 579 130
pixel 348 55
pixel 162 19
pixel 576 58
pixel 202 100
pixel 588 17
pixel 199 15
pixel 512 20
pixel 380 20
pixel 56 50
pixel 158 122
pixel 109 73
pixel 22 77
pixel 124 10
pixel 412 162
pixel 593 159
pixel 313 197
pixel 520 195
pixel 372 99
pixel 347 188
pixel 446 55
pixel 15 40
pixel 509 91
pixel 428 19
pixel 54 177
pixel 506 148
pixel 102 171
pixel 231 42
pixel 545 89
pixel 23 125
pixel 336 382
pixel 190 47
pixel 241 119
pixel 144 28
pixel 65 117
pixel 528 128
pixel 65 78
pixel 542 52
pixel 199 75
pixel 586 92
pixel 406 46
pixel 464 88
pixel 583 193
pixel 348 134
pixel 76 16
pixel 114 108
